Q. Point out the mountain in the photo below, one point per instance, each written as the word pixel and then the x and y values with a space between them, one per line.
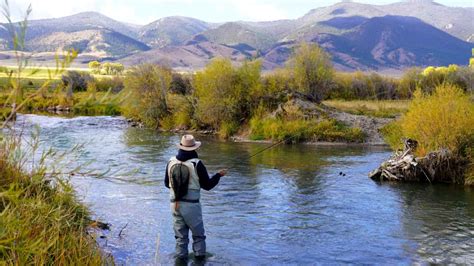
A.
pixel 234 33
pixel 394 42
pixel 456 21
pixel 79 22
pixel 171 31
pixel 190 56
pixel 98 42
pixel 90 33
pixel 358 36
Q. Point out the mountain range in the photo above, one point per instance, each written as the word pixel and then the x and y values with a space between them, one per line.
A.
pixel 358 36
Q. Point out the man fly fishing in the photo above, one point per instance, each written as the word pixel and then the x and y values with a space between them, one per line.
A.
pixel 185 176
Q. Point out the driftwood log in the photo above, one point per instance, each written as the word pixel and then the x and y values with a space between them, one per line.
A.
pixel 438 166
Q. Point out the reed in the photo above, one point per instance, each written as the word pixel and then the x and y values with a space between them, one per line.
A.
pixel 41 220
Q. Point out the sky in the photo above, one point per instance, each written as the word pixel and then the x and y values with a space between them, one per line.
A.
pixel 146 11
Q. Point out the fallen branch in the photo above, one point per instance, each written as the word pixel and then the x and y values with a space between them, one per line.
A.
pixel 438 166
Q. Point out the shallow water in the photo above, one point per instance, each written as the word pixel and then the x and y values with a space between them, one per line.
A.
pixel 288 205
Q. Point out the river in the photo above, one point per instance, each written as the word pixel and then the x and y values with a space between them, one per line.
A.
pixel 293 204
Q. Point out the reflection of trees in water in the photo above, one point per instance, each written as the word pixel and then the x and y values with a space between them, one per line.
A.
pixel 300 165
pixel 439 219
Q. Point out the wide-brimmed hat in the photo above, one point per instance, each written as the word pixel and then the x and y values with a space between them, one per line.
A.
pixel 188 143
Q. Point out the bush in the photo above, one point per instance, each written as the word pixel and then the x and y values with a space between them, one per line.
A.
pixel 181 84
pixel 182 112
pixel 409 82
pixel 76 80
pixel 358 85
pixel 224 93
pixel 444 119
pixel 312 70
pixel 115 84
pixel 146 87
pixel 432 77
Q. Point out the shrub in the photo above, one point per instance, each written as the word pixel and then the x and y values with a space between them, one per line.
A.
pixel 76 80
pixel 359 85
pixel 182 112
pixel 224 93
pixel 112 68
pixel 312 70
pixel 273 91
pixel 146 87
pixel 181 84
pixel 432 77
pixel 115 84
pixel 444 119
pixel 409 82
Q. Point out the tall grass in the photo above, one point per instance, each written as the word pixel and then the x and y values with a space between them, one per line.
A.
pixel 302 130
pixel 41 221
pixel 375 108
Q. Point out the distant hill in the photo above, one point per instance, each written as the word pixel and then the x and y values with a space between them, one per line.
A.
pixel 395 42
pixel 234 33
pixel 358 36
pixel 456 21
pixel 171 31
pixel 98 42
pixel 79 22
pixel 190 56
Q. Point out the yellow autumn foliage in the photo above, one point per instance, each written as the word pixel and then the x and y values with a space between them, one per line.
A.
pixel 444 119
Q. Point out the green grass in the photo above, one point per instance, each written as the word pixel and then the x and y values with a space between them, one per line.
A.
pixel 303 130
pixel 381 108
pixel 41 73
pixel 84 103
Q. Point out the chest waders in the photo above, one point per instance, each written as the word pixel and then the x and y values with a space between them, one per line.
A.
pixel 187 213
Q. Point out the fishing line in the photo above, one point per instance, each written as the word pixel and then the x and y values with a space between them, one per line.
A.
pixel 285 140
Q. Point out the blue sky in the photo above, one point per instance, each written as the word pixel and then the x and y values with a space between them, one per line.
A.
pixel 145 11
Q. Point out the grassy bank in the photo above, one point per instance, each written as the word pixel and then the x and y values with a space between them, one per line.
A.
pixel 104 99
pixel 374 108
pixel 299 130
pixel 41 221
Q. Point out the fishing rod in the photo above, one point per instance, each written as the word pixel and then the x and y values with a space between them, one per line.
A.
pixel 273 145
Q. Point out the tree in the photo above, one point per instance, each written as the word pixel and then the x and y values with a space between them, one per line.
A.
pixel 116 68
pixel 312 70
pixel 95 66
pixel 107 68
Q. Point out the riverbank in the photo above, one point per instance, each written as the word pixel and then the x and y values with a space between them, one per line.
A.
pixel 42 222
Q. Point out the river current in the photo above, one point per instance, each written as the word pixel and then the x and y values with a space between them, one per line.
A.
pixel 293 204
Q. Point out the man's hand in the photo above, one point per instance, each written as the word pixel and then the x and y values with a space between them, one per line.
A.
pixel 223 172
